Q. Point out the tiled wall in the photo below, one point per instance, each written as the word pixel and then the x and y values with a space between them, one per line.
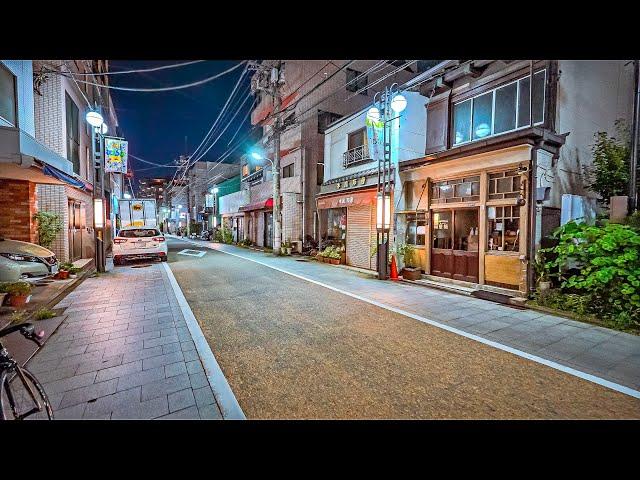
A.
pixel 17 206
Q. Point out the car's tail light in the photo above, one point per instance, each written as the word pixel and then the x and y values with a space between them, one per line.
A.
pixel 119 240
pixel 158 239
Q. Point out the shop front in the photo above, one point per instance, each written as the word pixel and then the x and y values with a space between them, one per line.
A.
pixel 256 223
pixel 476 212
pixel 348 221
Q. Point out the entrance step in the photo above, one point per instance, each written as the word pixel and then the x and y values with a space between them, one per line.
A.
pixel 449 287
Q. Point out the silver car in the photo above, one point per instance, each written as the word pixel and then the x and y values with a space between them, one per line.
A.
pixel 25 261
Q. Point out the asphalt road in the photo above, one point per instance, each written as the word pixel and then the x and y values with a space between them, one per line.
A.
pixel 293 349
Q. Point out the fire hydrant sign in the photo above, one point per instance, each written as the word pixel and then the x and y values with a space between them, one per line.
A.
pixel 115 155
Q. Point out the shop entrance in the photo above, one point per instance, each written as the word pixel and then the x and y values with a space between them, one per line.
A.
pixel 76 225
pixel 268 229
pixel 454 244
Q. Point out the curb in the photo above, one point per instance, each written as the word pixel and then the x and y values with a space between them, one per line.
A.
pixel 227 401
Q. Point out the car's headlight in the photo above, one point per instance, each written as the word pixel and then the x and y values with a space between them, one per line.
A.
pixel 20 258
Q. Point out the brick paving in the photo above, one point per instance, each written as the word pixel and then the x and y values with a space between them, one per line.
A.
pixel 609 354
pixel 124 352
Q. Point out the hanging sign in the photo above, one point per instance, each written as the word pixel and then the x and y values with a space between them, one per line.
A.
pixel 115 155
pixel 375 138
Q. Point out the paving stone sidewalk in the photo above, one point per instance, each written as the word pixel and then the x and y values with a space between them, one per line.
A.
pixel 609 354
pixel 124 352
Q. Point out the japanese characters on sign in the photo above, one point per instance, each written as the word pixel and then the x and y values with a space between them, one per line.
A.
pixel 115 155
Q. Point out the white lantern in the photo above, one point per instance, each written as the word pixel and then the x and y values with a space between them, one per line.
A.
pixel 94 118
pixel 398 103
pixel 98 213
pixel 387 211
pixel 104 129
pixel 373 114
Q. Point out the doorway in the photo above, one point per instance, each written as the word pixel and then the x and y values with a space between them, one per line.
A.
pixel 268 229
pixel 454 244
pixel 76 220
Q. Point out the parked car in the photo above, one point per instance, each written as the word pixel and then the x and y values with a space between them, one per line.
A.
pixel 139 242
pixel 25 261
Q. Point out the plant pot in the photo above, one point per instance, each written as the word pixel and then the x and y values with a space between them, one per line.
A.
pixel 334 261
pixel 63 274
pixel 409 273
pixel 18 300
pixel 544 286
pixel 73 275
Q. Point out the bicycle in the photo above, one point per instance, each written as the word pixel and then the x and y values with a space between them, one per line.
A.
pixel 21 394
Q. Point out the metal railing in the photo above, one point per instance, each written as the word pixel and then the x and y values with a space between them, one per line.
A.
pixel 355 156
pixel 255 176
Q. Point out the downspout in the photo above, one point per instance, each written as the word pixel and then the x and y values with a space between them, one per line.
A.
pixel 533 182
pixel 633 163
pixel 304 194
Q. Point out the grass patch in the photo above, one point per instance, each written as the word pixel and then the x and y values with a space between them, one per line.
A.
pixel 18 316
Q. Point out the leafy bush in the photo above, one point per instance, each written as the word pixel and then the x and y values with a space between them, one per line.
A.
pixel 331 252
pixel 609 174
pixel 49 226
pixel 245 242
pixel 633 220
pixel 407 251
pixel 601 263
pixel 17 288
pixel 223 235
pixel 43 313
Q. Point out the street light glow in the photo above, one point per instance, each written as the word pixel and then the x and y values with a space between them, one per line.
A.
pixel 215 190
pixel 104 129
pixel 256 155
pixel 398 103
pixel 94 118
pixel 127 196
pixel 373 114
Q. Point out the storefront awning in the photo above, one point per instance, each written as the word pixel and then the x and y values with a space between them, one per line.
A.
pixel 60 175
pixel 367 197
pixel 268 203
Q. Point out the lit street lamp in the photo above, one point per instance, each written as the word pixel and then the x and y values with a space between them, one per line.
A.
pixel 277 224
pixel 94 118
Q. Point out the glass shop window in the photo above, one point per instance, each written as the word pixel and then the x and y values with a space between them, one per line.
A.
pixel 456 191
pixel 441 230
pixel 504 185
pixel 416 229
pixel 503 228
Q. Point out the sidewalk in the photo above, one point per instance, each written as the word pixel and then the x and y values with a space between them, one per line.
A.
pixel 124 352
pixel 611 355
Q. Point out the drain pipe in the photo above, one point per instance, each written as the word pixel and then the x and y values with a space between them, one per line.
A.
pixel 633 164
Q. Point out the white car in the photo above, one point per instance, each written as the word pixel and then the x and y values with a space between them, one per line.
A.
pixel 139 242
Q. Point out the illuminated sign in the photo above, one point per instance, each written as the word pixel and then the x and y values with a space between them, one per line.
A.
pixel 115 155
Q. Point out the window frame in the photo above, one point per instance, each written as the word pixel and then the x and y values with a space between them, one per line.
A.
pixel 15 97
pixel 362 131
pixel 290 169
pixel 75 140
pixel 493 109
pixel 361 82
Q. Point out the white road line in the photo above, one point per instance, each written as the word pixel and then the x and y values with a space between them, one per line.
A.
pixel 549 363
pixel 227 401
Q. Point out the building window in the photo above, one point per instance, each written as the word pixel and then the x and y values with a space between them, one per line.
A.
pixel 456 191
pixel 325 119
pixel 355 84
pixel 356 139
pixel 7 96
pixel 288 171
pixel 504 228
pixel 416 228
pixel 501 110
pixel 73 138
pixel 319 173
pixel 245 170
pixel 504 185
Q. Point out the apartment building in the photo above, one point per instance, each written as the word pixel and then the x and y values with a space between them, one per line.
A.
pixel 506 146
pixel 315 93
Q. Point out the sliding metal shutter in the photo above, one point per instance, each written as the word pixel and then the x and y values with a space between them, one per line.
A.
pixel 358 236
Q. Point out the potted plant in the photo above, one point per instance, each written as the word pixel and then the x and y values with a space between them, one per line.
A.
pixel 542 273
pixel 288 247
pixel 73 272
pixel 63 273
pixel 410 271
pixel 19 293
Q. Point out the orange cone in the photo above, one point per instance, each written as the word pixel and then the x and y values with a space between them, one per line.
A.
pixel 394 269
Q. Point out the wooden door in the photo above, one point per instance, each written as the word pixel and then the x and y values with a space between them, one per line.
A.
pixel 454 244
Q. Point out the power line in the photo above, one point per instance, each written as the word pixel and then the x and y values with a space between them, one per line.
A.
pixel 152 163
pixel 165 89
pixel 140 70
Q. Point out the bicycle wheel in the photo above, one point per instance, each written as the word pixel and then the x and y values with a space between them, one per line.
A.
pixel 22 397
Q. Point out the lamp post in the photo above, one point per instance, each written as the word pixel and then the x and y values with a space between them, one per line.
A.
pixel 215 191
pixel 387 106
pixel 98 128
pixel 277 224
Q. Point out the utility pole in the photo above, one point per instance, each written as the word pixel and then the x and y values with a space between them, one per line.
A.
pixel 277 216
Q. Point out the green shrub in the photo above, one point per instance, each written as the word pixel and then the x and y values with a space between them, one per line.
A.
pixel 406 251
pixel 17 288
pixel 223 235
pixel 49 226
pixel 601 263
pixel 633 220
pixel 331 252
pixel 43 313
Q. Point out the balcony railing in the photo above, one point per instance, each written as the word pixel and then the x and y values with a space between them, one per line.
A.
pixel 254 177
pixel 355 156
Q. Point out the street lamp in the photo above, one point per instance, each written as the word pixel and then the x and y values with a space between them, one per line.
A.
pixel 388 105
pixel 94 118
pixel 127 196
pixel 277 225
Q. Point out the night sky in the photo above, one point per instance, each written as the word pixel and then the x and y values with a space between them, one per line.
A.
pixel 156 123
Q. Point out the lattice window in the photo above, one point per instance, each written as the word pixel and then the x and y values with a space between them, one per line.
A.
pixel 456 191
pixel 504 185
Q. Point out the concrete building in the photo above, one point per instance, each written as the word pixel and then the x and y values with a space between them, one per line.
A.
pixel 45 152
pixel 494 177
pixel 315 93
pixel 346 202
